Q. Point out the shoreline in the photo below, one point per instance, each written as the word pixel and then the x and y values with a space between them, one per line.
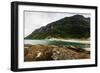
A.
pixel 65 40
pixel 71 40
pixel 68 40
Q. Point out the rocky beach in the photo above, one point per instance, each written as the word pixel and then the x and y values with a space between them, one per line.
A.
pixel 53 52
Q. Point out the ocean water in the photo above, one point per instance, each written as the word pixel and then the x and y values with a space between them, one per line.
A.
pixel 56 42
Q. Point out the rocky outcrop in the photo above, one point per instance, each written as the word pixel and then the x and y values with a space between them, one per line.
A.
pixel 53 52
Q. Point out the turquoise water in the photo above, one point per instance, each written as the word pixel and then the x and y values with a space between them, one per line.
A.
pixel 54 42
pixel 67 43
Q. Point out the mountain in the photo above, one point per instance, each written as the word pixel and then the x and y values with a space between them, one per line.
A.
pixel 76 26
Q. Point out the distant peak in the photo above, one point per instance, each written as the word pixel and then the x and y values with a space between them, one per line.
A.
pixel 78 16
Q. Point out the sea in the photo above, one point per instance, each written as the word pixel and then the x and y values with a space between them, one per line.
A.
pixel 57 42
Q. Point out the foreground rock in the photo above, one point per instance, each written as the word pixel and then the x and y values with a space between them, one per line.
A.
pixel 53 52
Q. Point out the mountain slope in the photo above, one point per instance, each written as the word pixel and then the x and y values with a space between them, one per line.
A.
pixel 76 26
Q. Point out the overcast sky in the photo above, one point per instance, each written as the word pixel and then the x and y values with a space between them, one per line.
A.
pixel 34 20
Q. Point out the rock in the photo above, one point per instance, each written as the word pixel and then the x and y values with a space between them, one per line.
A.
pixel 53 52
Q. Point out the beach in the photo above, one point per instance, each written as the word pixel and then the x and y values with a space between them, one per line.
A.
pixel 53 52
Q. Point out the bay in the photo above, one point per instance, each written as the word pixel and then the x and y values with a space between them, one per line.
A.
pixel 57 42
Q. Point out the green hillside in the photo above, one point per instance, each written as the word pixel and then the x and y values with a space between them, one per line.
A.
pixel 76 26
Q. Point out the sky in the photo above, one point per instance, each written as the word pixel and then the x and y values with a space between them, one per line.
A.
pixel 34 20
